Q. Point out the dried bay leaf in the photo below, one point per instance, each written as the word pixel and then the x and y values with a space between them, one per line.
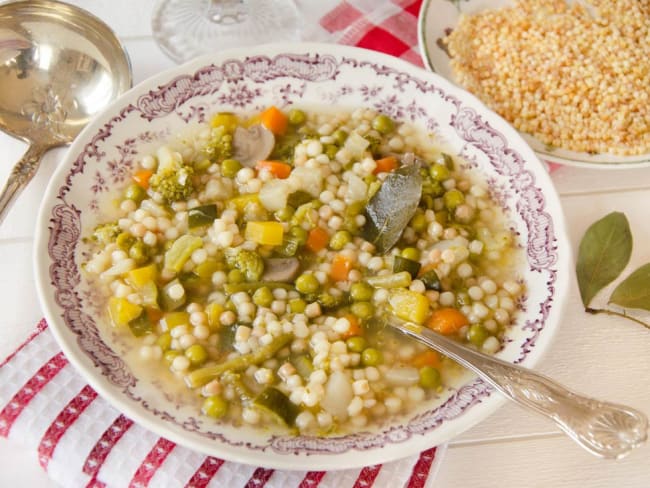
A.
pixel 604 252
pixel 634 291
pixel 390 209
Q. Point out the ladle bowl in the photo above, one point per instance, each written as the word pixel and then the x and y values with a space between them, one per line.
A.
pixel 59 66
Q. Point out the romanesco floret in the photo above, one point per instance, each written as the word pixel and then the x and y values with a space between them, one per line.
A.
pixel 249 263
pixel 106 233
pixel 220 145
pixel 173 184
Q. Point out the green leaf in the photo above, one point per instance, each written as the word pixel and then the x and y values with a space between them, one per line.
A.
pixel 634 291
pixel 604 252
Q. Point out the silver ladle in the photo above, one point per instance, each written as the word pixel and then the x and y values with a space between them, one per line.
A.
pixel 605 429
pixel 59 66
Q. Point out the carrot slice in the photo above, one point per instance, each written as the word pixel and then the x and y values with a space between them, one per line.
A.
pixel 447 320
pixel 386 165
pixel 141 177
pixel 274 120
pixel 276 168
pixel 427 358
pixel 341 266
pixel 317 239
pixel 355 327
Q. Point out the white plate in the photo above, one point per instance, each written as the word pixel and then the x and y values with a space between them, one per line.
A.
pixel 247 80
pixel 438 17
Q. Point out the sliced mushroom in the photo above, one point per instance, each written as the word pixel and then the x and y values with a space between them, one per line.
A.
pixel 281 269
pixel 253 144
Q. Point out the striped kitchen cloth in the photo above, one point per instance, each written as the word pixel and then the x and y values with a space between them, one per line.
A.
pixel 84 442
pixel 389 27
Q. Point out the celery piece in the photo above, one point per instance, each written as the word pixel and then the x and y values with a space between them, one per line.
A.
pixel 303 365
pixel 181 250
pixel 141 325
pixel 202 376
pixel 200 216
pixel 401 263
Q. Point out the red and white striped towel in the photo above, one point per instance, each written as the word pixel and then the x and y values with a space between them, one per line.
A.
pixel 82 441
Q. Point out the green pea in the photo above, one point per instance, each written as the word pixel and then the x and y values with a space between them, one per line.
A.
pixel 419 222
pixel 477 334
pixel 383 124
pixel 197 354
pixel 361 292
pixel 125 240
pixel 453 198
pixel 356 343
pixel 135 192
pixel 340 136
pixel 429 377
pixel 331 150
pixel 285 214
pixel 307 283
pixel 215 407
pixel 297 305
pixel 263 297
pixel 202 165
pixel 340 239
pixel 371 357
pixel 296 116
pixel 412 253
pixel 438 172
pixel 164 341
pixel 363 310
pixel 170 355
pixel 235 276
pixel 229 167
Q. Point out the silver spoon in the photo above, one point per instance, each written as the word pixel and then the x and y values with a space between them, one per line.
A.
pixel 59 66
pixel 602 428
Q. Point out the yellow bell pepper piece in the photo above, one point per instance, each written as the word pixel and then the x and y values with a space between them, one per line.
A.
pixel 265 233
pixel 242 201
pixel 139 277
pixel 174 319
pixel 409 305
pixel 121 311
pixel 226 119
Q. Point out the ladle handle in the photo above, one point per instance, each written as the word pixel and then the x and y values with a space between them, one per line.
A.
pixel 605 429
pixel 21 174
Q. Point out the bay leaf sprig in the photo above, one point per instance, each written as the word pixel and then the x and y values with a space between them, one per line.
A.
pixel 603 254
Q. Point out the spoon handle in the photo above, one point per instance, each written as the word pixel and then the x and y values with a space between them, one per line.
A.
pixel 20 175
pixel 604 429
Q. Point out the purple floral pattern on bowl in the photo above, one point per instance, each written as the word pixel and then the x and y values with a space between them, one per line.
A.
pixel 316 75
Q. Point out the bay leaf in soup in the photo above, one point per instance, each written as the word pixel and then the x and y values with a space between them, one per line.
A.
pixel 604 252
pixel 634 291
pixel 389 210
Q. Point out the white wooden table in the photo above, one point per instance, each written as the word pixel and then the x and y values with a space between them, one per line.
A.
pixel 601 356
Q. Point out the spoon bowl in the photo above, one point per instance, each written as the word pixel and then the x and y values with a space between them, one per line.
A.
pixel 59 66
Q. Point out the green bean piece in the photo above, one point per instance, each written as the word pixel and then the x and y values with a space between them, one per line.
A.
pixel 285 214
pixel 197 354
pixel 135 192
pixel 356 344
pixel 235 380
pixel 299 233
pixel 204 375
pixel 303 365
pixel 371 357
pixel 453 198
pixel 296 116
pixel 200 216
pixel 430 377
pixel 383 124
pixel 400 264
pixel 230 167
pixel 340 239
pixel 397 280
pixel 278 404
pixel 215 406
pixel 361 292
pixel 438 172
pixel 363 310
pixel 289 247
pixel 249 287
pixel 431 280
pixel 477 334
pixel 263 297
pixel 307 283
